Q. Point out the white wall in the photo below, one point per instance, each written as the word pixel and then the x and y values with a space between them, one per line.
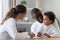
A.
pixel 5 7
pixel 0 10
pixel 30 3
pixel 51 5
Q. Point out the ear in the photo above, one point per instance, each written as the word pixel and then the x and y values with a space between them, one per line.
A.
pixel 51 21
pixel 40 18
pixel 32 17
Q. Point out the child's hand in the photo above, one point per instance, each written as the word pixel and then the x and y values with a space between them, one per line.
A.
pixel 39 34
pixel 47 35
pixel 31 35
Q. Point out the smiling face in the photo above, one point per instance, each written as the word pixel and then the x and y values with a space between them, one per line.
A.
pixel 46 20
pixel 37 17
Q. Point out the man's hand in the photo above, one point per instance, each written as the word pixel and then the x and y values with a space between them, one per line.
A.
pixel 39 34
pixel 31 35
pixel 47 35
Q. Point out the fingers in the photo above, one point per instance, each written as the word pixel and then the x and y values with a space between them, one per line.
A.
pixel 39 34
pixel 31 35
pixel 47 35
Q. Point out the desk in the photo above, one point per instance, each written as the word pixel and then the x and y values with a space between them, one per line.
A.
pixel 40 39
pixel 25 36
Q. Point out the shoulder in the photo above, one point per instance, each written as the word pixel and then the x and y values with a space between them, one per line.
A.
pixel 43 26
pixel 9 21
pixel 35 23
pixel 52 27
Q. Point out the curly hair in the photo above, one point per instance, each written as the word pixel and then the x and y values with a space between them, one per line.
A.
pixel 50 15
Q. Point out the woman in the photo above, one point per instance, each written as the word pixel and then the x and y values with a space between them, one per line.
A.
pixel 37 15
pixel 8 29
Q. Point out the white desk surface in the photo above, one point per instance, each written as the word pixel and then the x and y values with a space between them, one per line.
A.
pixel 25 36
pixel 38 39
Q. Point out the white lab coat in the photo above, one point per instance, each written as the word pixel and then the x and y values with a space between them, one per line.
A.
pixel 36 27
pixel 8 29
pixel 50 30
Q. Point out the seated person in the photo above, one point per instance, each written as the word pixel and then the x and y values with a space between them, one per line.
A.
pixel 37 15
pixel 48 29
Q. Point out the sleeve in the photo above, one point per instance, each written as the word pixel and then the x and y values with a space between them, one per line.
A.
pixel 42 29
pixel 2 29
pixel 53 32
pixel 33 29
pixel 10 27
pixel 56 25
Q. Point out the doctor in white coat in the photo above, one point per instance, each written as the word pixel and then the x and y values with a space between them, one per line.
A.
pixel 48 29
pixel 8 28
pixel 37 15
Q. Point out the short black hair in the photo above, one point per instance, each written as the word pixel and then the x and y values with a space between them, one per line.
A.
pixel 50 15
pixel 37 12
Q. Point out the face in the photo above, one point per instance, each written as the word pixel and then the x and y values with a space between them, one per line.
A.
pixel 33 16
pixel 38 19
pixel 46 20
pixel 21 16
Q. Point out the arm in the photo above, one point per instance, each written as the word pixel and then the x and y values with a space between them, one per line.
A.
pixel 40 31
pixel 32 33
pixel 47 35
pixel 52 32
pixel 33 29
pixel 2 28
pixel 11 28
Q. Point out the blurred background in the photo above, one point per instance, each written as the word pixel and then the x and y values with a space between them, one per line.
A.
pixel 43 5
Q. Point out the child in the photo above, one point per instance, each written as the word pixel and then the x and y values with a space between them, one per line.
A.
pixel 48 29
pixel 37 15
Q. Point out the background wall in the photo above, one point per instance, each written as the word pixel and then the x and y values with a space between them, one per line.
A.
pixel 51 5
pixel 30 3
pixel 0 10
pixel 5 7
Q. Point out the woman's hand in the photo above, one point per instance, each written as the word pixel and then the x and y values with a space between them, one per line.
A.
pixel 39 34
pixel 31 35
pixel 47 35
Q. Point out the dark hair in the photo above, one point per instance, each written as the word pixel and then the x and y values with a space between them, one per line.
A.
pixel 50 15
pixel 13 12
pixel 38 13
